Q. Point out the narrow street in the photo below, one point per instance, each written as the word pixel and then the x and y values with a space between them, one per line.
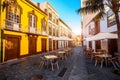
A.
pixel 76 67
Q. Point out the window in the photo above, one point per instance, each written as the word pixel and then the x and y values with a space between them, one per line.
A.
pixel 97 27
pixel 44 24
pixel 57 33
pixel 32 20
pixel 50 29
pixel 50 16
pixel 13 15
pixel 57 21
pixel 54 31
pixel 53 19
pixel 111 18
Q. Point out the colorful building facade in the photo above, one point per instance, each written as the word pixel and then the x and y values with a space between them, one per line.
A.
pixel 53 25
pixel 24 27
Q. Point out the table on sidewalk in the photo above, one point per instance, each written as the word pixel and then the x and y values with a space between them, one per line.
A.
pixel 104 58
pixel 95 53
pixel 50 56
pixel 61 54
pixel 53 60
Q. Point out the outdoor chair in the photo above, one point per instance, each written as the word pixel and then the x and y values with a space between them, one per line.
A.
pixel 99 60
pixel 114 61
pixel 54 63
pixel 95 53
pixel 84 50
pixel 43 62
pixel 69 51
pixel 88 51
pixel 60 56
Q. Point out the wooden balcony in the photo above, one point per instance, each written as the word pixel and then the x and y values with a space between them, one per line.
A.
pixel 11 25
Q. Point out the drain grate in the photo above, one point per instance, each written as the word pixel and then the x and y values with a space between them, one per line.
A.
pixel 62 72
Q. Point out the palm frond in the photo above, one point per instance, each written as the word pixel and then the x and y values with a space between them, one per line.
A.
pixel 99 16
pixel 91 9
pixel 92 6
pixel 93 2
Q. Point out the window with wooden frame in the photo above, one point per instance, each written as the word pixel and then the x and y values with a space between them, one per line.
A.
pixel 111 18
pixel 32 20
pixel 13 16
pixel 50 29
pixel 44 25
pixel 57 33
pixel 54 31
pixel 50 16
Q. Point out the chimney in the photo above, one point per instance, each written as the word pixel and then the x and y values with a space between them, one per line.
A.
pixel 38 4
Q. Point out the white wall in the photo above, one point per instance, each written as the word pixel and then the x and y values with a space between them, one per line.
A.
pixel 104 28
pixel 104 44
pixel 103 24
pixel 93 45
pixel 112 28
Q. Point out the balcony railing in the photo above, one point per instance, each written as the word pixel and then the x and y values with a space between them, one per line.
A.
pixel 44 33
pixel 32 30
pixel 11 25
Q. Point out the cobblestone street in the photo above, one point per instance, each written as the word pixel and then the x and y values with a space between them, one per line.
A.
pixel 76 67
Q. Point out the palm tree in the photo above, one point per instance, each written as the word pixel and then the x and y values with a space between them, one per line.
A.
pixel 93 6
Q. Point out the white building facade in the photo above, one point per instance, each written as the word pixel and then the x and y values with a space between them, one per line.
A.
pixel 92 28
pixel 53 24
pixel 65 32
pixel 56 28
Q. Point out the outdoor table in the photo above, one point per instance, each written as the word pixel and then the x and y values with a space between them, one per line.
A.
pixel 50 56
pixel 104 57
pixel 95 53
pixel 61 52
pixel 53 60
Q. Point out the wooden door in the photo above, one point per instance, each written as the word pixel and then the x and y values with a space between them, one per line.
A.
pixel 112 46
pixel 90 44
pixel 57 44
pixel 50 44
pixel 98 44
pixel 32 45
pixel 54 44
pixel 43 44
pixel 12 47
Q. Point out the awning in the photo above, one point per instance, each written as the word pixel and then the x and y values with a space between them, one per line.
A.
pixel 102 35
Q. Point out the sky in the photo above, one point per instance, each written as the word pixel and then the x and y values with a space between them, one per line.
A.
pixel 67 10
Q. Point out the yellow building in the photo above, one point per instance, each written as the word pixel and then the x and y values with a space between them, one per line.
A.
pixel 24 27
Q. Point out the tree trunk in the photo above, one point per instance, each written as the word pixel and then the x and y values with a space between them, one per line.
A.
pixel 118 31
